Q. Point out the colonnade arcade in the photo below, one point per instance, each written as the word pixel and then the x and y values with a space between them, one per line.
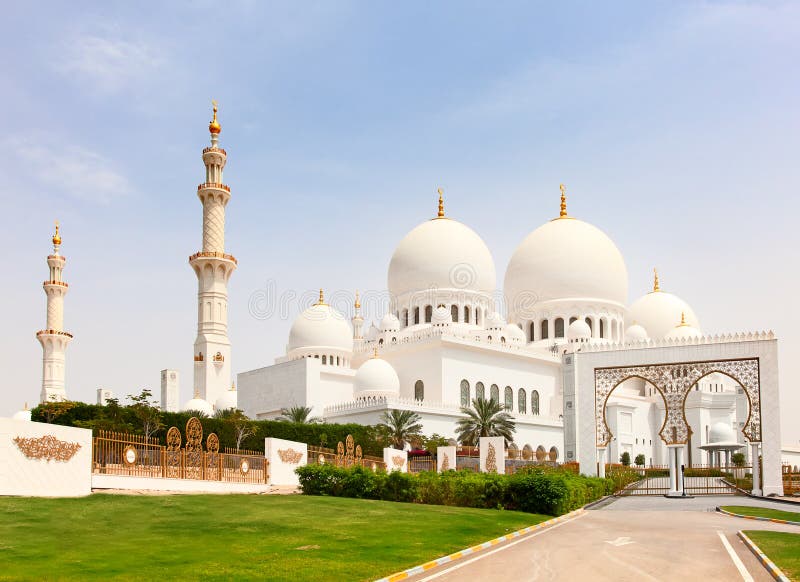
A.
pixel 674 382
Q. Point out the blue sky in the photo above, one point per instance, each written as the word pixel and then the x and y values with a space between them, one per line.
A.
pixel 674 125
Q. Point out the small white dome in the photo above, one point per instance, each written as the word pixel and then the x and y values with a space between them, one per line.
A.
pixel 199 405
pixel 636 333
pixel 22 415
pixel 372 332
pixel 659 311
pixel 443 254
pixel 515 334
pixel 564 259
pixel 684 331
pixel 579 331
pixel 376 377
pixel 321 326
pixel 390 323
pixel 441 316
pixel 495 321
pixel 228 400
pixel 721 432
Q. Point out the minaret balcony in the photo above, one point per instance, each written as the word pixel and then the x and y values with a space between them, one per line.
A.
pixel 213 255
pixel 59 283
pixel 215 150
pixel 53 332
pixel 214 186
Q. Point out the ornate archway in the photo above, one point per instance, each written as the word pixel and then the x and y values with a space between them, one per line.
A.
pixel 674 381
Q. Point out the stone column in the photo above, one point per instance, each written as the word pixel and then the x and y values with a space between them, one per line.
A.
pixel 601 462
pixel 756 469
pixel 675 454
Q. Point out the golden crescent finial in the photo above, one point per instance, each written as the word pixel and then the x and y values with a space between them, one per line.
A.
pixel 563 200
pixel 57 236
pixel 214 126
pixel 358 301
pixel 683 319
pixel 321 298
pixel 375 352
pixel 441 203
pixel 655 280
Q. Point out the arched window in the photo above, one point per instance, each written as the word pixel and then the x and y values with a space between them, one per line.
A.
pixel 480 392
pixel 380 342
pixel 494 393
pixel 324 359
pixel 532 333
pixel 454 313
pixel 522 401
pixel 553 454
pixel 509 398
pixel 602 328
pixel 428 313
pixel 590 324
pixel 535 402
pixel 545 329
pixel 466 314
pixel 559 325
pixel 502 339
pixel 419 390
pixel 416 315
pixel 405 318
pixel 464 393
pixel 478 316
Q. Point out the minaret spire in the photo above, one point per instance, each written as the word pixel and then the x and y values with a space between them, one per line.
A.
pixel 358 321
pixel 213 267
pixel 53 338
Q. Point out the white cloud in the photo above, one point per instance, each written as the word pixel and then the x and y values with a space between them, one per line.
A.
pixel 108 64
pixel 64 167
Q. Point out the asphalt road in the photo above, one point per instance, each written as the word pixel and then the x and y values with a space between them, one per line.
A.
pixel 644 538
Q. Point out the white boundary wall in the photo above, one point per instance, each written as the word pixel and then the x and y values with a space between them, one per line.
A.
pixel 499 444
pixel 389 456
pixel 451 458
pixel 20 475
pixel 127 482
pixel 282 472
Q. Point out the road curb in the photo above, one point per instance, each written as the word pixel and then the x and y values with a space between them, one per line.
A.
pixel 773 570
pixel 475 549
pixel 758 518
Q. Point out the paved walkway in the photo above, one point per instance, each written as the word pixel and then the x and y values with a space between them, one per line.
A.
pixel 644 538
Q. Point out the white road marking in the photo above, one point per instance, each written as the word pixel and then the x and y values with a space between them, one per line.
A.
pixel 736 561
pixel 620 541
pixel 500 549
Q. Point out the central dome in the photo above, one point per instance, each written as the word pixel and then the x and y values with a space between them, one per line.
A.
pixel 566 258
pixel 441 254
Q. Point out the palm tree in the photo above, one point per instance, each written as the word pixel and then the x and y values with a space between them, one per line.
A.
pixel 401 426
pixel 484 418
pixel 298 414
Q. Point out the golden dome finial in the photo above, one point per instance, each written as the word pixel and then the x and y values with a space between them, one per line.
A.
pixel 233 386
pixel 563 200
pixel 655 280
pixel 214 126
pixel 321 298
pixel 57 236
pixel 197 392
pixel 683 319
pixel 441 203
pixel 358 301
pixel 375 352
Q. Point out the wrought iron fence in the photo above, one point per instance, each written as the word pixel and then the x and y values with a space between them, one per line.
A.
pixel 696 480
pixel 791 481
pixel 346 454
pixel 116 453
pixel 421 463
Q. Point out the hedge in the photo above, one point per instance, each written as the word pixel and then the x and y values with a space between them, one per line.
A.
pixel 550 491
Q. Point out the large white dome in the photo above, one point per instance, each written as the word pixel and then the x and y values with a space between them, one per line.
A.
pixel 444 254
pixel 376 377
pixel 565 258
pixel 228 399
pixel 721 432
pixel 320 326
pixel 659 312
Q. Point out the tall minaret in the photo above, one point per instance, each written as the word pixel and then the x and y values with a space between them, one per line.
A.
pixel 358 323
pixel 212 349
pixel 53 338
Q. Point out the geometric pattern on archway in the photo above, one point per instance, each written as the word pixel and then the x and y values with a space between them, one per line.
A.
pixel 674 382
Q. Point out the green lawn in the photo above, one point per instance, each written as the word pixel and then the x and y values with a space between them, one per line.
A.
pixel 782 548
pixel 763 512
pixel 225 537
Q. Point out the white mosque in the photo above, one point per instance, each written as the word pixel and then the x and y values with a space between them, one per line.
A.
pixel 543 346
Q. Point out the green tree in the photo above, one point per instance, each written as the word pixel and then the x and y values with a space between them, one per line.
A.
pixel 54 408
pixel 625 459
pixel 400 427
pixel 111 417
pixel 434 441
pixel 738 459
pixel 298 414
pixel 484 418
pixel 242 426
pixel 147 412
pixel 639 460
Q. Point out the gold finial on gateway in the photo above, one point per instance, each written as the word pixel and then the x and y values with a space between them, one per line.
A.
pixel 655 280
pixel 563 200
pixel 441 203
pixel 57 236
pixel 214 126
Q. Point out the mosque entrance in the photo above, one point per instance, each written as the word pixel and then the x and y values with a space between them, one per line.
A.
pixel 711 411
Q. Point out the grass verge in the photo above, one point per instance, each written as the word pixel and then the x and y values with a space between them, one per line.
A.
pixel 223 537
pixel 762 512
pixel 780 547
